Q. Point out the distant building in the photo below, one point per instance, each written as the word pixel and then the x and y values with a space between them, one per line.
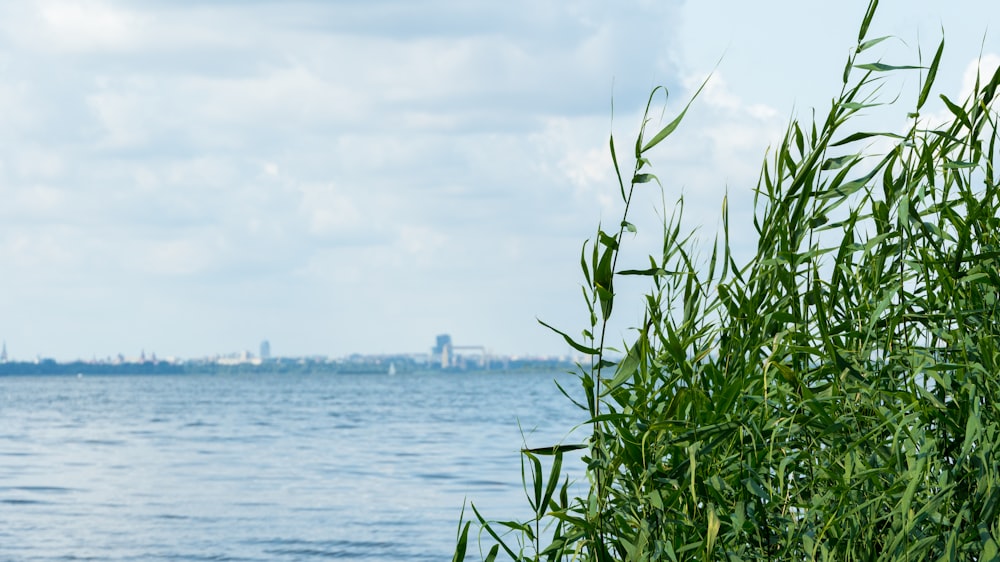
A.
pixel 265 350
pixel 442 351
pixel 3 353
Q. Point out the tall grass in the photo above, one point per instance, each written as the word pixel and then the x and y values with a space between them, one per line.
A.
pixel 835 397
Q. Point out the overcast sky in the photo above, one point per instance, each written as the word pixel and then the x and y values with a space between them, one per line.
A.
pixel 190 178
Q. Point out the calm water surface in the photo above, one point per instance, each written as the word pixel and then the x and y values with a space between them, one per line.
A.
pixel 258 467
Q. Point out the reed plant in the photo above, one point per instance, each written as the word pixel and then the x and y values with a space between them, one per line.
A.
pixel 833 398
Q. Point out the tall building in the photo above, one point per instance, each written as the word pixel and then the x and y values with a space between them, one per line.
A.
pixel 3 353
pixel 442 351
pixel 265 350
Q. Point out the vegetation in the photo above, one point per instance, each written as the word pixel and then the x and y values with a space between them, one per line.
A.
pixel 836 397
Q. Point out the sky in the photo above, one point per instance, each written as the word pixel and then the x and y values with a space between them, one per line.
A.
pixel 189 178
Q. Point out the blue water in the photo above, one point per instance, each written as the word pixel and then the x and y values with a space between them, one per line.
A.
pixel 264 467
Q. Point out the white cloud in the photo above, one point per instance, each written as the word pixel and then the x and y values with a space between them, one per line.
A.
pixel 421 244
pixel 86 26
pixel 981 70
pixel 936 113
pixel 284 98
pixel 21 115
pixel 38 163
pixel 40 201
pixel 181 257
pixel 329 211
pixel 124 117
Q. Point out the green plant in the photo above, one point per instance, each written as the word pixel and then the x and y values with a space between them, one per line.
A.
pixel 835 398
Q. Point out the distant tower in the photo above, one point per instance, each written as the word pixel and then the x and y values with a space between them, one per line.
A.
pixel 442 350
pixel 3 353
pixel 265 350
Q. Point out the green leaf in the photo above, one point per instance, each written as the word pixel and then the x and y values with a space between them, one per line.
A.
pixel 867 21
pixel 973 428
pixel 818 221
pixel 785 317
pixel 882 67
pixel 692 468
pixel 462 546
pixel 670 127
pixel 839 162
pixel 713 531
pixel 550 487
pixel 608 241
pixel 957 110
pixel 492 533
pixel 857 105
pixel 628 365
pixel 579 347
pixel 990 552
pixel 872 42
pixel 536 481
pixel 915 478
pixel 931 74
pixel 650 272
pixel 754 488
pixel 861 136
pixel 516 526
pixel 555 449
pixel 614 160
pixel 603 276
pixel 980 276
pixel 850 187
pixel 607 299
pixel 877 313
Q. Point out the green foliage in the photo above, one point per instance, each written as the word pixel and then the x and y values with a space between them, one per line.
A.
pixel 836 397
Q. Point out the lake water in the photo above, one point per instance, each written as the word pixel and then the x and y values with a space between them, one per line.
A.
pixel 265 468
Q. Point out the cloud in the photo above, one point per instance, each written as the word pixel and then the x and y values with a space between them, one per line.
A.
pixel 351 160
pixel 122 117
pixel 86 26
pixel 181 257
pixel 329 211
pixel 978 71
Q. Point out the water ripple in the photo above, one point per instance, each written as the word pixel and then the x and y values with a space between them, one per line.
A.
pixel 206 468
pixel 358 550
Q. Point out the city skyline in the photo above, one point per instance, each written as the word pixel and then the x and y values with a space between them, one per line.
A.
pixel 441 353
pixel 358 177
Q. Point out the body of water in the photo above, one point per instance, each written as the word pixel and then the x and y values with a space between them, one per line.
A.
pixel 265 468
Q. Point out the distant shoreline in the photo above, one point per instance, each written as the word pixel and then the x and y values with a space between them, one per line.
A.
pixel 275 367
